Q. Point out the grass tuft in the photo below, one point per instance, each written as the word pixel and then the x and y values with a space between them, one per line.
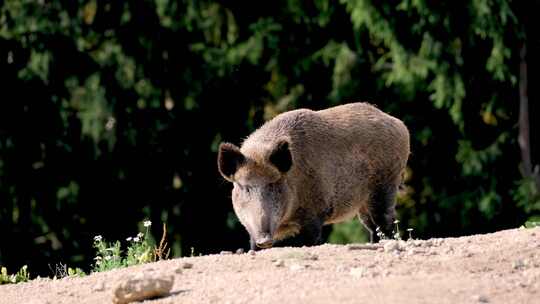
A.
pixel 21 276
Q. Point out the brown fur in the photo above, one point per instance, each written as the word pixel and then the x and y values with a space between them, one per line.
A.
pixel 346 161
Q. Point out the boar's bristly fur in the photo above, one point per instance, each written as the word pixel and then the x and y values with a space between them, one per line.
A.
pixel 304 169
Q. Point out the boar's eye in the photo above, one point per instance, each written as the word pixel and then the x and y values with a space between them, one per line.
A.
pixel 245 188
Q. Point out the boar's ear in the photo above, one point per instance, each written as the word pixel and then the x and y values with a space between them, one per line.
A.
pixel 229 159
pixel 281 157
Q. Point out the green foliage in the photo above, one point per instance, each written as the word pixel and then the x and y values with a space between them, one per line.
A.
pixel 21 276
pixel 75 272
pixel 109 254
pixel 533 222
pixel 432 59
pixel 527 195
pixel 351 231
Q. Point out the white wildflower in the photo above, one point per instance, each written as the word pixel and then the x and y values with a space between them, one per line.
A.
pixel 110 123
pixel 129 239
pixel 98 238
pixel 140 235
pixel 108 257
pixel 147 223
pixel 97 258
pixel 136 239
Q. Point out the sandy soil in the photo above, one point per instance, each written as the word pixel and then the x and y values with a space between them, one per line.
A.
pixel 502 267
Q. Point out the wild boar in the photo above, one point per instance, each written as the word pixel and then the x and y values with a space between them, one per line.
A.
pixel 304 169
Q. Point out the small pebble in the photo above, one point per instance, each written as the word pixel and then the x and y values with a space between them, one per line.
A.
pixel 225 252
pixel 312 257
pixel 391 246
pixel 99 287
pixel 517 264
pixel 341 268
pixel 364 246
pixel 240 251
pixel 481 299
pixel 466 254
pixel 357 272
pixel 187 265
pixel 36 301
pixel 413 251
pixel 297 267
pixel 252 252
pixel 279 263
pixel 521 284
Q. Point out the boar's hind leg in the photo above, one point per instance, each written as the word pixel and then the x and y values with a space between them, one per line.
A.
pixel 381 211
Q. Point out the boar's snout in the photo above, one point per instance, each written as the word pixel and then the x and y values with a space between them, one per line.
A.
pixel 264 242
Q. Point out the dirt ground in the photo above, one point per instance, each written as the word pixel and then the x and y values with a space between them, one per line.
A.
pixel 502 267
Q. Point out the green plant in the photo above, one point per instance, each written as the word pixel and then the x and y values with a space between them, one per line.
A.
pixel 139 251
pixel 527 195
pixel 108 255
pixel 21 276
pixel 532 222
pixel 75 272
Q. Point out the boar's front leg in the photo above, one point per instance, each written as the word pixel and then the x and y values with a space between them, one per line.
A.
pixel 310 235
pixel 252 244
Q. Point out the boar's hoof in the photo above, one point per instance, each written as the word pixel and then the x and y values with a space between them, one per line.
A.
pixel 264 243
